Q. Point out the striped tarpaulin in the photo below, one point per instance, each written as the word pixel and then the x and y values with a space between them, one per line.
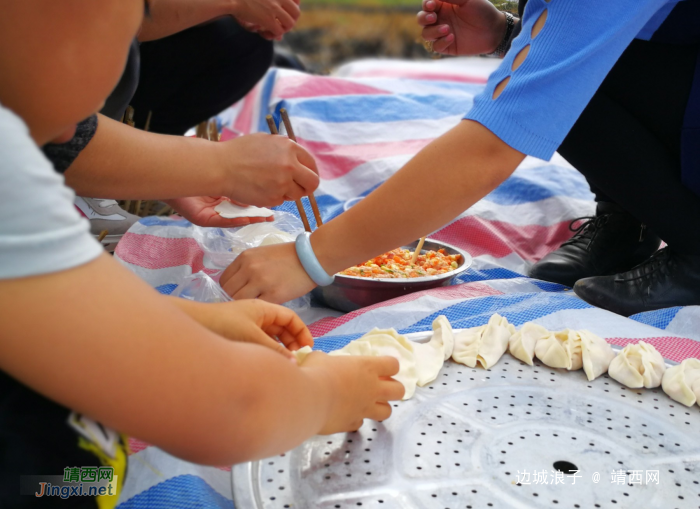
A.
pixel 362 125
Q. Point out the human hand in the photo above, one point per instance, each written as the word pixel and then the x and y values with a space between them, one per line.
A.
pixel 255 321
pixel 272 273
pixel 199 210
pixel 462 27
pixel 266 170
pixel 271 18
pixel 360 388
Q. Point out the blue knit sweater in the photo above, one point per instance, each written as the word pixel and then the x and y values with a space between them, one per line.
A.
pixel 568 60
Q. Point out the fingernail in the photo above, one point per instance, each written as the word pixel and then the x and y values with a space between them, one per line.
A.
pixel 431 17
pixel 444 29
pixel 430 5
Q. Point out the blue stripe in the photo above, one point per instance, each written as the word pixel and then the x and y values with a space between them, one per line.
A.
pixel 164 221
pixel 517 308
pixel 166 289
pixel 265 95
pixel 381 108
pixel 659 318
pixel 181 492
pixel 473 275
pixel 535 184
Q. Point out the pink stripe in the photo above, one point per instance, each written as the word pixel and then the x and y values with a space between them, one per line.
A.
pixel 463 291
pixel 296 87
pixel 244 120
pixel 496 238
pixel 152 252
pixel 420 75
pixel 671 347
pixel 136 445
pixel 338 160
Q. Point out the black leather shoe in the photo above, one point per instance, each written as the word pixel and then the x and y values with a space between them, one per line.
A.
pixel 611 242
pixel 665 280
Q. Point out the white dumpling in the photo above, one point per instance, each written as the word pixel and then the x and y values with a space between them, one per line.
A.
pixel 638 365
pixel 377 343
pixel 442 333
pixel 522 343
pixel 430 356
pixel 561 349
pixel 484 345
pixel 466 346
pixel 682 382
pixel 596 354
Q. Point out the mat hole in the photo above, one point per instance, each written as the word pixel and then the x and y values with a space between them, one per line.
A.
pixel 566 467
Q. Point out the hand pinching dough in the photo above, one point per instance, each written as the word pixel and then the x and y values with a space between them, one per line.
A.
pixel 231 211
pixel 637 366
pixel 682 382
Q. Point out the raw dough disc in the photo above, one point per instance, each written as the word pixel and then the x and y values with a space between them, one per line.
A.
pixel 230 211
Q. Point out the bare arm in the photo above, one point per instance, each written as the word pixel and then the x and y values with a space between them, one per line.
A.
pixel 439 183
pixel 169 17
pixel 130 359
pixel 272 18
pixel 121 162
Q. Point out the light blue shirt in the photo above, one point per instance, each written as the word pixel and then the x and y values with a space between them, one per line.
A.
pixel 568 60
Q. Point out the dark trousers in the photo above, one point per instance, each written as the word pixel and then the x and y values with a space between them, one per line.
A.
pixel 627 142
pixel 190 76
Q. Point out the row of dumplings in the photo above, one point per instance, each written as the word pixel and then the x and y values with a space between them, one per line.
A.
pixel 635 366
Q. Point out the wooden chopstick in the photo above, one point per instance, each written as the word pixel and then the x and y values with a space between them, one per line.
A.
pixel 292 136
pixel 300 207
pixel 416 253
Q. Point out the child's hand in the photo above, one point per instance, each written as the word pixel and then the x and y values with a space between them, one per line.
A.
pixel 265 170
pixel 361 388
pixel 272 273
pixel 252 321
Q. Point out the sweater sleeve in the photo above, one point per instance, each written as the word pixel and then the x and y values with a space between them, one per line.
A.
pixel 566 63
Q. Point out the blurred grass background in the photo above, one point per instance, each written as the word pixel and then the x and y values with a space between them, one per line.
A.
pixel 331 32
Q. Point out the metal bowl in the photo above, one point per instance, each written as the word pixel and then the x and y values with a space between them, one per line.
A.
pixel 348 293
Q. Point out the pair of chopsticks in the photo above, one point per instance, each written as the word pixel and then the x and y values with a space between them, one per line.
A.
pixel 312 200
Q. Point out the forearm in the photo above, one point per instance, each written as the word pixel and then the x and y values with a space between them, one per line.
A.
pixel 179 386
pixel 438 184
pixel 172 16
pixel 121 162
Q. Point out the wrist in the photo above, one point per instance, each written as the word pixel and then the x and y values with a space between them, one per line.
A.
pixel 498 31
pixel 221 169
pixel 310 262
pixel 232 7
pixel 504 27
pixel 324 386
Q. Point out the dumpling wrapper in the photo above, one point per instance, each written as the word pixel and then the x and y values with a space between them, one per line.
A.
pixel 377 343
pixel 302 354
pixel 484 345
pixel 431 356
pixel 522 344
pixel 232 211
pixel 596 354
pixel 682 382
pixel 561 349
pixel 638 365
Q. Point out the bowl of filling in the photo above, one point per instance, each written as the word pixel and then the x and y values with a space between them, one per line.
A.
pixel 392 275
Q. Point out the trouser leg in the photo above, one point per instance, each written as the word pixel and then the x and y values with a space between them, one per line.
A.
pixel 195 74
pixel 627 141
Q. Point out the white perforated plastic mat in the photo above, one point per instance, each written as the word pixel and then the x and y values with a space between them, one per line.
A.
pixel 489 439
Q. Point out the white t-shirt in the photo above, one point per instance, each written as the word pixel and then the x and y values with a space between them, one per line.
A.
pixel 40 229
